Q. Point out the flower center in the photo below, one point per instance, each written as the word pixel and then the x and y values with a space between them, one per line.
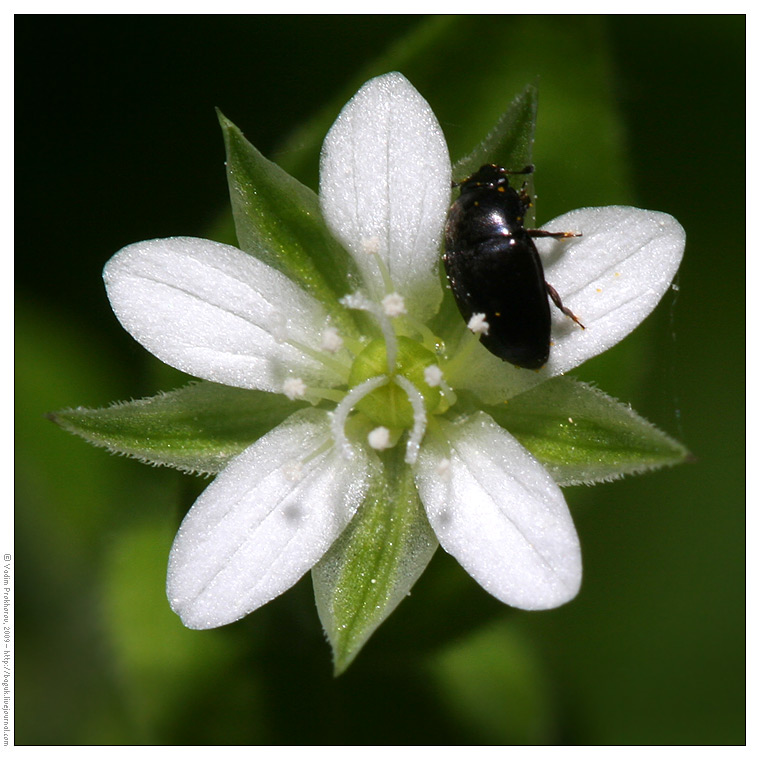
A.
pixel 389 404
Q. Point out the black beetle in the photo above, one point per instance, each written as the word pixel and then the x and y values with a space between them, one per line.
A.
pixel 494 268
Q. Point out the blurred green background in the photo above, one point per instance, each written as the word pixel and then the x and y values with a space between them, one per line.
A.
pixel 117 141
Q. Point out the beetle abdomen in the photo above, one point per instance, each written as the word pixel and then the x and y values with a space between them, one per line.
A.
pixel 502 278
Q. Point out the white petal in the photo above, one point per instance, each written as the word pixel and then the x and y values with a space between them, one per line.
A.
pixel 497 511
pixel 265 521
pixel 611 278
pixel 217 313
pixel 385 187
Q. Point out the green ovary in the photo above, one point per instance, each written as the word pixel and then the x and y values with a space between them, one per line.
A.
pixel 389 404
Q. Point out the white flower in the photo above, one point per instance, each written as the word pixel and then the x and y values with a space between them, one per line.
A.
pixel 223 315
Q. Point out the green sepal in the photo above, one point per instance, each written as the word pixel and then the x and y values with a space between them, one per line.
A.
pixel 582 435
pixel 510 142
pixel 279 220
pixel 376 560
pixel 198 428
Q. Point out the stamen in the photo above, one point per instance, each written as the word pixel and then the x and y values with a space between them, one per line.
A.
pixel 393 305
pixel 278 328
pixel 279 332
pixel 356 301
pixel 293 471
pixel 429 338
pixel 360 303
pixel 433 375
pixel 448 393
pixel 315 395
pixel 420 418
pixel 478 324
pixel 443 468
pixel 331 340
pixel 340 368
pixel 340 415
pixel 370 245
pixel 379 438
pixel 371 248
pixel 294 388
pixel 461 356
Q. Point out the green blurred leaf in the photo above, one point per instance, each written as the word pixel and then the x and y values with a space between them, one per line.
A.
pixel 375 562
pixel 581 435
pixel 493 685
pixel 64 514
pixel 580 142
pixel 198 428
pixel 278 220
pixel 427 46
pixel 510 142
pixel 157 660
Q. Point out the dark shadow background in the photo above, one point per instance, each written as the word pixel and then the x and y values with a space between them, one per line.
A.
pixel 117 141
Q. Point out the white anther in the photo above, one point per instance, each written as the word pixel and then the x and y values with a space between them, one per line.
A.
pixel 356 301
pixel 443 468
pixel 433 375
pixel 331 340
pixel 478 324
pixel 294 388
pixel 371 245
pixel 293 471
pixel 393 305
pixel 379 438
pixel 278 328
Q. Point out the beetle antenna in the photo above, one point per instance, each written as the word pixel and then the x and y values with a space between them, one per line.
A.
pixel 529 169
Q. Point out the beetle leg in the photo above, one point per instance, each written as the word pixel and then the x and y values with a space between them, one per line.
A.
pixel 558 303
pixel 546 233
